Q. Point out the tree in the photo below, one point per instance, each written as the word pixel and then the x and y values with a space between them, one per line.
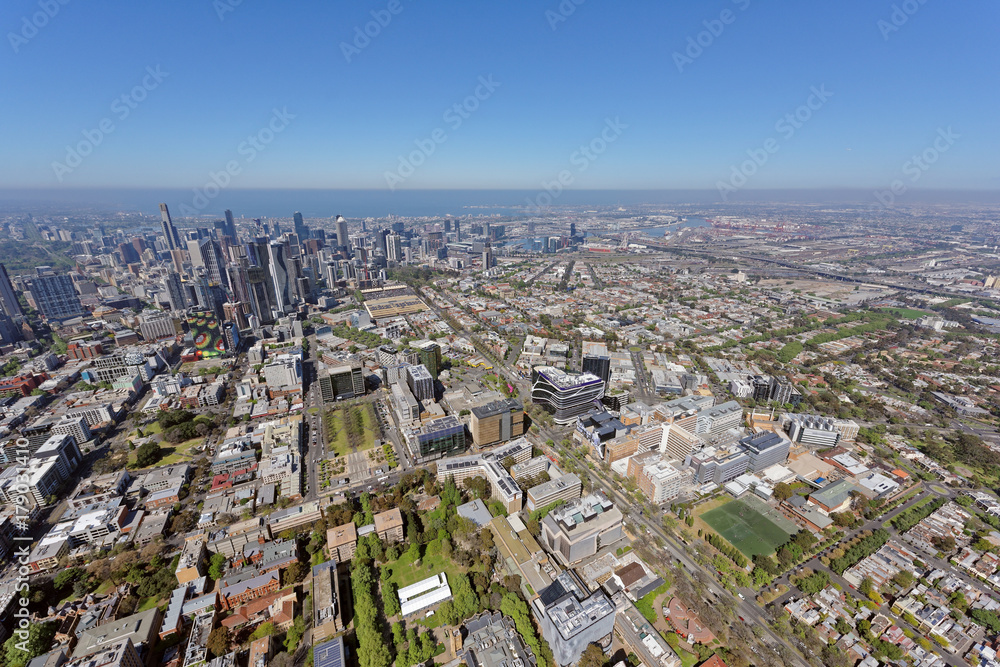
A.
pixel 264 630
pixel 593 656
pixel 903 579
pixel 294 634
pixel 295 573
pixel 39 641
pixel 218 641
pixel 217 566
pixel 783 491
pixel 148 454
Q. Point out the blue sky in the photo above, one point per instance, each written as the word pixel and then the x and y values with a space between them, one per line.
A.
pixel 891 93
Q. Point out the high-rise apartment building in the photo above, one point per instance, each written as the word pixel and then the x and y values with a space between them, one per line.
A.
pixel 8 298
pixel 342 239
pixel 280 276
pixel 54 295
pixel 169 230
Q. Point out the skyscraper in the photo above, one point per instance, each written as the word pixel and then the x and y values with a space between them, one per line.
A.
pixel 300 227
pixel 175 291
pixel 380 240
pixel 8 299
pixel 205 253
pixel 230 228
pixel 261 293
pixel 488 260
pixel 394 247
pixel 55 295
pixel 572 229
pixel 599 366
pixel 279 276
pixel 169 231
pixel 342 239
pixel 128 253
pixel 458 231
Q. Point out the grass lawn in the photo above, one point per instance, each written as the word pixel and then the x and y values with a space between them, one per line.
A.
pixel 404 573
pixel 335 428
pixel 746 528
pixel 907 313
pixel 687 659
pixel 172 453
pixel 337 434
pixel 645 603
pixel 148 604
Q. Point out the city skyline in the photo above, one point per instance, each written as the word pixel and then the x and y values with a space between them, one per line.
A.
pixel 854 96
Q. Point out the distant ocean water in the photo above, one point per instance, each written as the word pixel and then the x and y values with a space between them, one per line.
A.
pixel 421 203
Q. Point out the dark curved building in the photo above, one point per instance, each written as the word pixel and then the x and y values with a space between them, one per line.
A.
pixel 565 395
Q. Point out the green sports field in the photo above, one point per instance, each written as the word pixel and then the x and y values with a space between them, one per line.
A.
pixel 746 527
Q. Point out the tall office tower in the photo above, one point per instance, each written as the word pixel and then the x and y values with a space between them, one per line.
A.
pixel 139 244
pixel 257 252
pixel 300 227
pixel 261 293
pixel 279 276
pixel 10 332
pixel 572 229
pixel 8 298
pixel 398 227
pixel 175 291
pixel 205 253
pixel 318 233
pixel 230 225
pixel 128 253
pixel 531 226
pixel 458 231
pixel 489 261
pixel 169 231
pixel 236 312
pixel 238 281
pixel 342 239
pixel 178 257
pixel 303 288
pixel 381 243
pixel 394 247
pixel 54 295
pixel 294 273
pixel 599 366
pixel 447 226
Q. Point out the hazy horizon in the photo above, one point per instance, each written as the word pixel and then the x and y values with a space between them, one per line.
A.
pixel 357 203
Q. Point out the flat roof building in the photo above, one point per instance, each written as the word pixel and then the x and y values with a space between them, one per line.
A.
pixel 496 422
pixel 424 594
pixel 568 488
pixel 578 530
pixel 437 438
pixel 571 617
